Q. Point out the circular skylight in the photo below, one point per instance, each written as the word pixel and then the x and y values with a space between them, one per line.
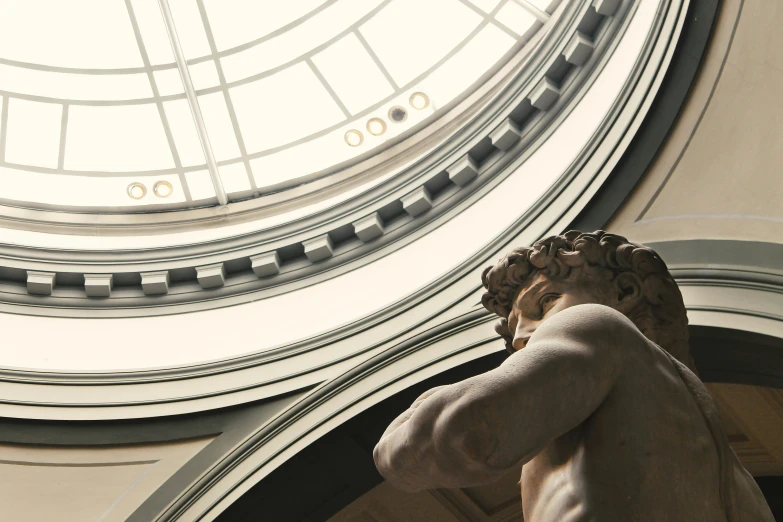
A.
pixel 104 98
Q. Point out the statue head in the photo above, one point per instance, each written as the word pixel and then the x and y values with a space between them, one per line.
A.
pixel 533 283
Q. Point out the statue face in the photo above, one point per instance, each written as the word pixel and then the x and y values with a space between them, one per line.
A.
pixel 542 298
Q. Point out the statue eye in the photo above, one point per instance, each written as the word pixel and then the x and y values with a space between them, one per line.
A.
pixel 547 300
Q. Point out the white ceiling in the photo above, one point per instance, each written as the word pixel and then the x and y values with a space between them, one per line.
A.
pixel 93 97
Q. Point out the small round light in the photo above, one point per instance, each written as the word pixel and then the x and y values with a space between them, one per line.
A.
pixel 376 126
pixel 137 190
pixel 419 100
pixel 163 189
pixel 398 114
pixel 354 138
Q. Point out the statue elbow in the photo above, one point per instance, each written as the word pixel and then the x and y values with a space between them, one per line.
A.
pixel 396 464
pixel 386 459
pixel 469 438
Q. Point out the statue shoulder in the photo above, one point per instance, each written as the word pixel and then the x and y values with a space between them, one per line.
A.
pixel 592 324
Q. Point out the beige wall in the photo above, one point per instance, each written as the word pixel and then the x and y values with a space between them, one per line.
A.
pixel 78 483
pixel 719 175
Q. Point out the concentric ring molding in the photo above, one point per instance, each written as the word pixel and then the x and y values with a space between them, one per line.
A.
pixel 518 118
pixel 420 315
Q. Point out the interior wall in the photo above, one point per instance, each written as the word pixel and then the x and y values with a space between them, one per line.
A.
pixel 718 174
pixel 77 483
pixel 128 470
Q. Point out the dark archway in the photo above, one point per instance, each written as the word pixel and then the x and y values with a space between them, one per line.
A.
pixel 733 356
pixel 338 468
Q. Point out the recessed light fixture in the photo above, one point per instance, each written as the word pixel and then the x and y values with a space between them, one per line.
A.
pixel 137 190
pixel 376 126
pixel 354 138
pixel 398 114
pixel 419 100
pixel 163 189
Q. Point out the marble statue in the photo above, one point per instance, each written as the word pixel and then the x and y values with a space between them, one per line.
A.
pixel 599 400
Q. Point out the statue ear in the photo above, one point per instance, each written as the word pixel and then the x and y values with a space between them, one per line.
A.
pixel 628 286
pixel 501 327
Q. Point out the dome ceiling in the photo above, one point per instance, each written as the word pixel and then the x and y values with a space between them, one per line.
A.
pixel 526 161
pixel 68 262
pixel 124 106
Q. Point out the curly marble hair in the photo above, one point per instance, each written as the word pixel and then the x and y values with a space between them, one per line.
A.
pixel 574 255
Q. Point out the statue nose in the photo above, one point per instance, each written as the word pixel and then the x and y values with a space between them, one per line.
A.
pixel 522 334
pixel 520 342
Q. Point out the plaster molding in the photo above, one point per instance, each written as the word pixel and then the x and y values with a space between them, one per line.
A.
pixel 728 282
pixel 322 410
pixel 511 109
pixel 242 379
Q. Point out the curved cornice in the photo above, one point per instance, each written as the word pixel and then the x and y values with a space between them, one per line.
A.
pixel 729 282
pixel 723 259
pixel 487 148
pixel 100 395
pixel 376 370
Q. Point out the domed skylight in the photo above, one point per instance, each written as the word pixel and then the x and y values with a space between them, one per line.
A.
pixel 100 112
